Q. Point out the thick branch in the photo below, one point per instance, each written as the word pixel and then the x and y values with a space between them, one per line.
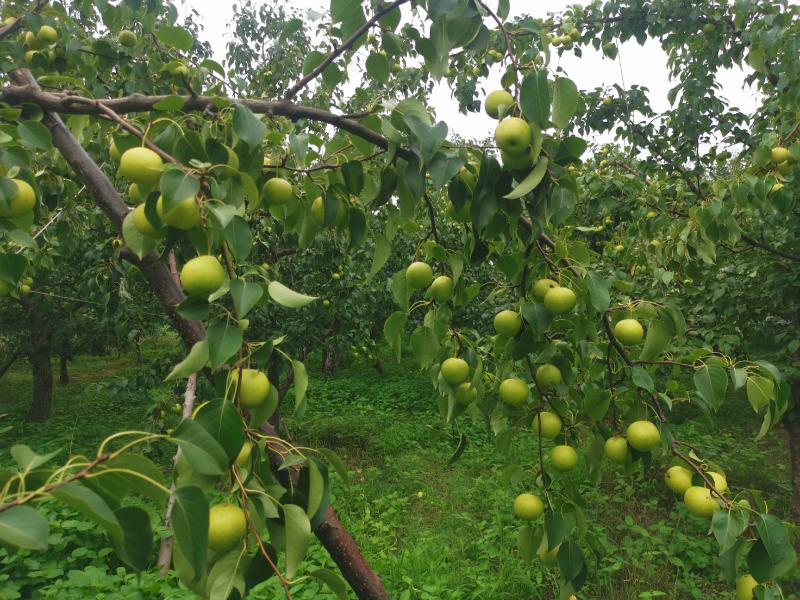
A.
pixel 70 104
pixel 346 45
pixel 770 249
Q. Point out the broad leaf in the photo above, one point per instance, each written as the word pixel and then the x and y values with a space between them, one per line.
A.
pixel 190 525
pixel 288 297
pixel 201 450
pixel 24 527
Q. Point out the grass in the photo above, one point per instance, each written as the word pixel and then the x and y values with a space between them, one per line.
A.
pixel 432 530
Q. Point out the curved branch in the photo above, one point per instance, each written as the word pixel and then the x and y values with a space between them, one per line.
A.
pixel 509 44
pixel 67 103
pixel 346 45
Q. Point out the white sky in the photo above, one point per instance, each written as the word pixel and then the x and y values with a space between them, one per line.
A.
pixel 640 65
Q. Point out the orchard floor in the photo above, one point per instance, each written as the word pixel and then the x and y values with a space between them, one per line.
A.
pixel 433 531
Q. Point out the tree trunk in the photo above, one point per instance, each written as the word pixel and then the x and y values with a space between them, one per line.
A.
pixel 10 362
pixel 41 367
pixel 63 374
pixel 330 362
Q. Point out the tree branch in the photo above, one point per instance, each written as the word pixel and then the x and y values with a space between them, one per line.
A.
pixel 509 44
pixel 346 45
pixel 68 103
pixel 165 551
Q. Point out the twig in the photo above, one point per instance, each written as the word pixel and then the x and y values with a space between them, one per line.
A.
pixel 432 217
pixel 346 45
pixel 509 45
pixel 53 486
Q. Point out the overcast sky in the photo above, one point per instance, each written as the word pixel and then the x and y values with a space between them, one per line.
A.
pixel 640 65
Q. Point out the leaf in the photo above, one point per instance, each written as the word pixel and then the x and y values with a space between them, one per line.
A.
pixel 89 503
pixel 337 464
pixel 139 244
pixel 287 297
pixel 393 329
pixel 711 383
pixel 141 475
pixel 224 339
pixel 778 546
pixel 534 98
pixel 557 526
pixel 194 361
pixel 357 225
pixel 727 526
pixel 224 423
pixel 378 67
pixel 245 295
pixel 190 525
pixel 530 182
pixel 35 135
pixel 760 390
pixel 641 378
pixel 259 569
pixel 226 575
pixel 565 101
pixel 336 584
pixel 599 297
pixel 382 251
pixel 353 174
pixel 300 382
pixel 313 486
pixel 298 537
pixel 170 104
pixel 175 37
pixel 570 560
pixel 137 537
pixel 460 447
pixel 24 527
pixel 425 345
pixel 176 186
pixel 239 237
pixel 247 126
pixel 260 414
pixel 659 335
pixel 202 451
pixel 27 459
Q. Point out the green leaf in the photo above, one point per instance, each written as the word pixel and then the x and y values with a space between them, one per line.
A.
pixel 312 60
pixel 260 414
pixel 202 451
pixel 357 224
pixel 224 423
pixel 382 251
pixel 599 297
pixel 313 486
pixel 226 575
pixel 24 527
pixel 190 525
pixel 760 390
pixel 659 335
pixel 35 135
pixel 300 382
pixel 28 459
pixel 298 537
pixel 194 361
pixel 224 339
pixel 137 537
pixel 557 526
pixel 259 569
pixel 176 186
pixel 570 560
pixel 89 503
pixel 170 104
pixel 641 378
pixel 378 67
pixel 565 101
pixel 530 182
pixel 775 538
pixel 534 98
pixel 245 295
pixel 337 464
pixel 727 527
pixel 425 345
pixel 248 126
pixel 711 382
pixel 139 244
pixel 175 37
pixel 239 237
pixel 287 297
pixel 336 584
pixel 393 329
pixel 141 476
